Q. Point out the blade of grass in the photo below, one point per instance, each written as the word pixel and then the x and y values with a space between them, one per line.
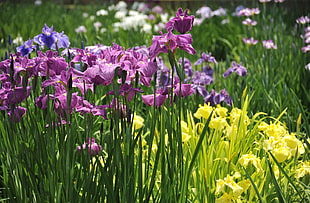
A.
pixel 275 182
pixel 286 175
pixel 254 186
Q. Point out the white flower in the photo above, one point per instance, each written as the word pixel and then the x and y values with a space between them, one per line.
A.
pixel 80 29
pixel 219 12
pixel 164 17
pixel 102 30
pixel 97 25
pixel 38 2
pixel 198 21
pixel 204 12
pixel 116 26
pixel 121 6
pixel 18 40
pixel 159 27
pixel 102 12
pixel 92 18
pixel 225 21
pixel 133 13
pixel 120 14
pixel 85 15
pixel 307 67
pixel 111 8
pixel 147 28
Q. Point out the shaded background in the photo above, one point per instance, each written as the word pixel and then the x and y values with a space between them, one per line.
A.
pixel 293 5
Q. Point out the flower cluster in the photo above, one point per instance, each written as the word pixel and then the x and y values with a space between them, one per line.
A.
pixel 220 120
pixel 138 17
pixel 231 188
pixel 251 159
pixel 303 20
pixel 303 170
pixel 205 12
pixel 306 38
pixel 48 38
pixel 248 12
pixel 169 43
pixel 96 65
pixel 237 68
pixel 282 144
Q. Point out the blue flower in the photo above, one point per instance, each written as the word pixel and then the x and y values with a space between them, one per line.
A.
pixel 52 39
pixel 237 68
pixel 213 98
pixel 26 48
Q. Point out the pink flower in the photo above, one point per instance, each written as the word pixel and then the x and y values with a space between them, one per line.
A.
pixel 264 1
pixel 249 22
pixel 248 12
pixel 157 9
pixel 305 49
pixel 303 20
pixel 250 41
pixel 268 44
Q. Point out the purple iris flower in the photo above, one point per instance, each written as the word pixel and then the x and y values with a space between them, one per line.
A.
pixel 187 67
pixel 183 90
pixel 100 111
pixel 17 114
pixel 201 78
pixel 101 74
pixel 208 70
pixel 237 68
pixel 168 41
pixel 93 148
pixel 214 98
pixel 60 103
pixel 26 48
pixel 51 38
pixel 128 91
pixel 208 58
pixel 248 12
pixel 47 37
pixel 158 99
pixel 62 81
pixel 21 65
pixel 17 95
pixel 162 73
pixel 62 40
pixel 50 63
pixel 41 101
pixel 181 23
